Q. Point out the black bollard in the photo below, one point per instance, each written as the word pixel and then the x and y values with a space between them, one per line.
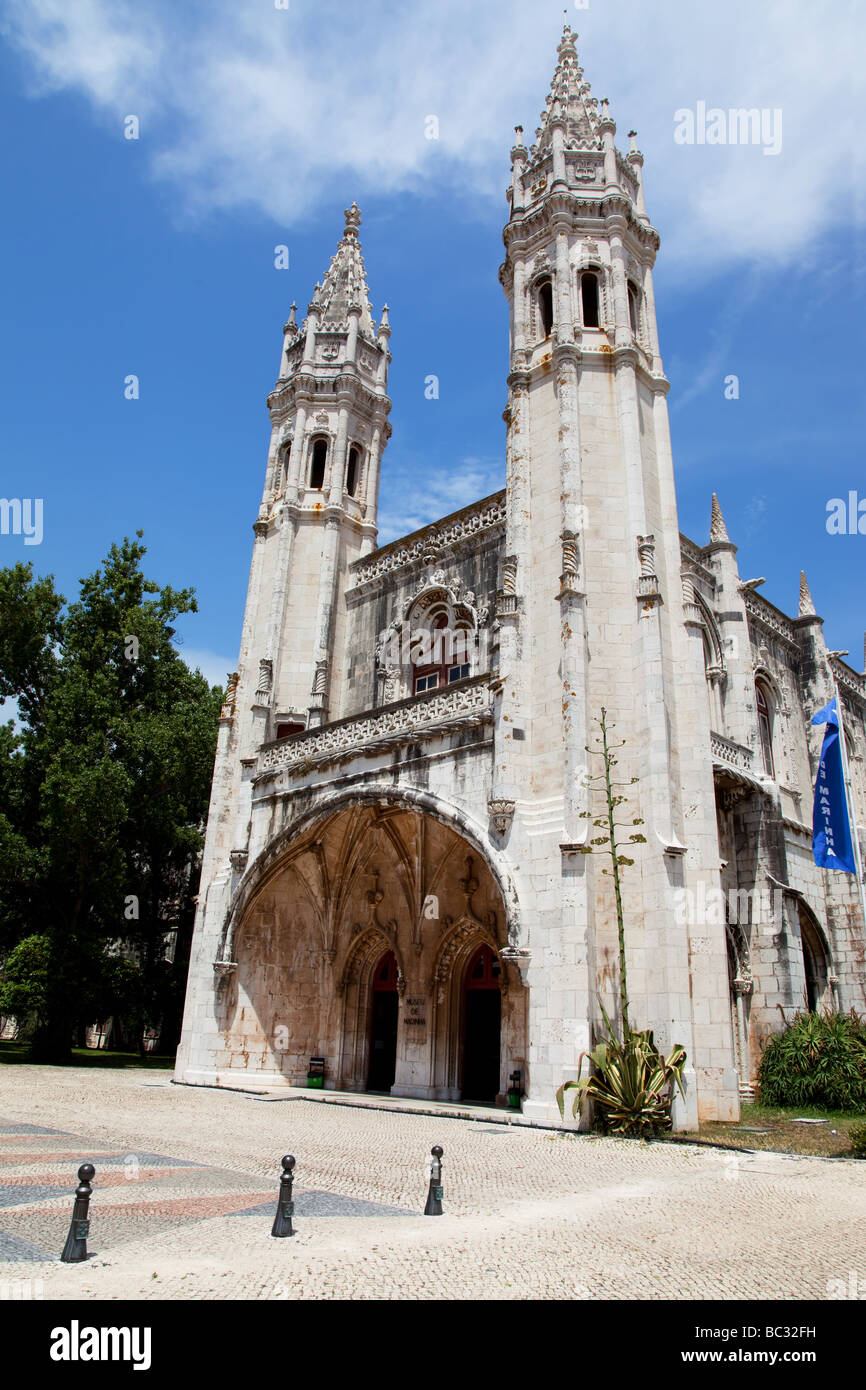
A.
pixel 75 1248
pixel 285 1206
pixel 434 1196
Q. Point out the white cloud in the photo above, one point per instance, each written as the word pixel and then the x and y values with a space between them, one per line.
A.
pixel 247 105
pixel 213 666
pixel 437 496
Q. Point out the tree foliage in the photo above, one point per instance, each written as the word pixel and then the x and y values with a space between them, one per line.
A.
pixel 103 787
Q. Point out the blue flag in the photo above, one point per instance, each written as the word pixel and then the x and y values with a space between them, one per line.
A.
pixel 832 844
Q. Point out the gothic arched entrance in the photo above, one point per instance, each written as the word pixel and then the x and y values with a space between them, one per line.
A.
pixel 482 1018
pixel 360 944
pixel 383 1024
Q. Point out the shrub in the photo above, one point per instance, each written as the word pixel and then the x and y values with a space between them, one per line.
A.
pixel 858 1141
pixel 631 1084
pixel 819 1060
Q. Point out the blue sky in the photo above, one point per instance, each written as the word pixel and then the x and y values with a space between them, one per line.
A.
pixel 259 126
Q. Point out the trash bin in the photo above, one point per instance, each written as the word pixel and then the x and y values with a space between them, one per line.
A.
pixel 316 1073
pixel 515 1091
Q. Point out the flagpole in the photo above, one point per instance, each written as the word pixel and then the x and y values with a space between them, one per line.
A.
pixel 846 778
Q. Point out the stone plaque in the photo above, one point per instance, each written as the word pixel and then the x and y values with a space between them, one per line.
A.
pixel 415 1017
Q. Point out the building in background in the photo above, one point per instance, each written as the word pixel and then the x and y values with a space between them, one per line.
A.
pixel 393 875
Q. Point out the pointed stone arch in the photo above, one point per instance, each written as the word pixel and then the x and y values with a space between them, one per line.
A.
pixel 354 991
pixel 346 887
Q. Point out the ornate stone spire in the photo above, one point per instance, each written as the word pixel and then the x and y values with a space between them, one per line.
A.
pixel 718 529
pixel 345 284
pixel 569 99
pixel 807 607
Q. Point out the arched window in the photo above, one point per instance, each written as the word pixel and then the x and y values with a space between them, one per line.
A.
pixel 589 299
pixel 545 307
pixel 285 460
pixel 352 470
pixel 711 672
pixel 318 460
pixel 814 963
pixel 634 307
pixel 440 654
pixel 765 728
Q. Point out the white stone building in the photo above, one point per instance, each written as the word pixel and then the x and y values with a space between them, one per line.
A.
pixel 393 877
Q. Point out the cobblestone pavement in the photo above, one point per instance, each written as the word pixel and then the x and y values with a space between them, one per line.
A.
pixel 186 1185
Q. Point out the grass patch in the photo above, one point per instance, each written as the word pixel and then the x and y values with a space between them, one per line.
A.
pixel 831 1139
pixel 15 1052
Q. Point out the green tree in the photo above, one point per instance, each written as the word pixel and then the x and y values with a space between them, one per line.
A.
pixel 104 793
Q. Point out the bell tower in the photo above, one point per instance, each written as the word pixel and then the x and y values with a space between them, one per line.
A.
pixel 591 610
pixel 329 426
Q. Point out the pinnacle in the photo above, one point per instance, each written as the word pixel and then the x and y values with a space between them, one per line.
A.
pixel 718 529
pixel 807 606
pixel 344 286
pixel 569 97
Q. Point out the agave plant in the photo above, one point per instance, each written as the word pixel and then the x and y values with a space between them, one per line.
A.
pixel 630 1083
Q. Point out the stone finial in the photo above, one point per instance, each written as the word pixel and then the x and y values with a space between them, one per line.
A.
pixel 292 323
pixel 807 607
pixel 718 529
pixel 353 220
pixel 567 43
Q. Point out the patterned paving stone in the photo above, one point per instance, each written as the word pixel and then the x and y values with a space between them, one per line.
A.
pixel 14 1249
pixel 28 1129
pixel 37 1192
pixel 327 1204
pixel 113 1226
pixel 529 1214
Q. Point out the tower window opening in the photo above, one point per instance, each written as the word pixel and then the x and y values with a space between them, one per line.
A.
pixel 765 729
pixel 318 459
pixel 352 470
pixel 286 729
pixel 545 307
pixel 633 308
pixel 589 299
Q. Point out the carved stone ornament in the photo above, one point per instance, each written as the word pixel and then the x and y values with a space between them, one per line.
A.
pixel 266 674
pixel 228 709
pixel 223 970
pixel 647 584
pixel 239 859
pixel 438 538
pixel 514 955
pixel 501 813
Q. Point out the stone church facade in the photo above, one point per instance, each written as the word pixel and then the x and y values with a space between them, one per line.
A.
pixel 394 876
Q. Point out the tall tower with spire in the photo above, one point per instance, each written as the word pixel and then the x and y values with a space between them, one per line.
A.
pixel 597 620
pixel 329 426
